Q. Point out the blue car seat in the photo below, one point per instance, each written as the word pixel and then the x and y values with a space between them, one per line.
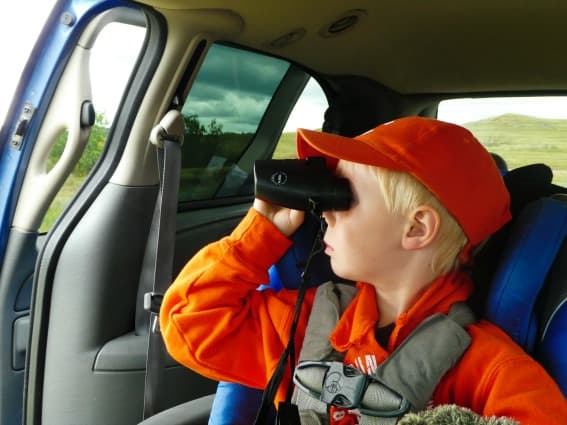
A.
pixel 528 294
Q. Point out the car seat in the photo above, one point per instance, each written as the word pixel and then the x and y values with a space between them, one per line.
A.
pixel 523 263
pixel 528 294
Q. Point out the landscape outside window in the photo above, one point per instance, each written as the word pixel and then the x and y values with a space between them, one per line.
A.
pixel 117 43
pixel 222 112
pixel 309 113
pixel 521 130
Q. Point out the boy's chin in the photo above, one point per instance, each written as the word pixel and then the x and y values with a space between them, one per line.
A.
pixel 342 273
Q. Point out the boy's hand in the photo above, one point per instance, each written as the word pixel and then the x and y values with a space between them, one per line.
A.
pixel 285 219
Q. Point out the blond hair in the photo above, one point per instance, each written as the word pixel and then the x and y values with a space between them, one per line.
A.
pixel 403 193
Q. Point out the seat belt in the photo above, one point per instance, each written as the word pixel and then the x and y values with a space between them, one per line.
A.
pixel 405 381
pixel 167 136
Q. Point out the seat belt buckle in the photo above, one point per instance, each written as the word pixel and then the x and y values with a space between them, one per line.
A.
pixel 152 302
pixel 342 385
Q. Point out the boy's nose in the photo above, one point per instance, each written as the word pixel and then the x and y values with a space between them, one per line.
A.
pixel 328 219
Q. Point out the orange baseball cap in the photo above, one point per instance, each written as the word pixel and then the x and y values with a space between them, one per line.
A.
pixel 445 157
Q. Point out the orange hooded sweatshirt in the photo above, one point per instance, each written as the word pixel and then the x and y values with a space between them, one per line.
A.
pixel 215 322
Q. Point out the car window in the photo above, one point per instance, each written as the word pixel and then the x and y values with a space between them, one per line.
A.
pixel 309 113
pixel 118 44
pixel 521 131
pixel 222 114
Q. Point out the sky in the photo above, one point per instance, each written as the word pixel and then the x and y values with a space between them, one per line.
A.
pixel 239 104
pixel 20 24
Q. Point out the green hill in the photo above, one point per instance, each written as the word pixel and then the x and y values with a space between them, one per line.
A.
pixel 515 130
pixel 522 139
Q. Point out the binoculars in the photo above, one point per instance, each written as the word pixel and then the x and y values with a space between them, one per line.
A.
pixel 301 184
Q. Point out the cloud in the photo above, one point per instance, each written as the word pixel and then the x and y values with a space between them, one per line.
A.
pixel 237 69
pixel 234 87
pixel 236 112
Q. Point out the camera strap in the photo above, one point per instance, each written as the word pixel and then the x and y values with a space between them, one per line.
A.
pixel 288 413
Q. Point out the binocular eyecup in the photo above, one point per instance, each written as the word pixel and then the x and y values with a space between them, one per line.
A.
pixel 301 184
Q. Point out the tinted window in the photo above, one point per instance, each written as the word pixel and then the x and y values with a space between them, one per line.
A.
pixel 222 113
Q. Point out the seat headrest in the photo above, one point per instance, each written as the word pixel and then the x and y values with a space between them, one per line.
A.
pixel 525 184
pixel 528 183
pixel 349 119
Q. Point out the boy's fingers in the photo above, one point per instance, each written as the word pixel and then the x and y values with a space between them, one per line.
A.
pixel 285 219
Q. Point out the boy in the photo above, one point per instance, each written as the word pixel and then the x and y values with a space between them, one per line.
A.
pixel 424 194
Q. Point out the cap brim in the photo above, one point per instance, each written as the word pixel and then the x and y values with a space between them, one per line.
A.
pixel 335 147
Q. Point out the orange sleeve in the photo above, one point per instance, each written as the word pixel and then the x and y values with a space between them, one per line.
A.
pixel 522 389
pixel 213 319
pixel 495 377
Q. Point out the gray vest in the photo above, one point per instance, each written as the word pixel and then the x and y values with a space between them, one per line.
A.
pixel 404 382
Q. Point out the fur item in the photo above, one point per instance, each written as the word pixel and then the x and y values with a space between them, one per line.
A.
pixel 452 415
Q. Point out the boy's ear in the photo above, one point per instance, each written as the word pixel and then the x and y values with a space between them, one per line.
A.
pixel 421 228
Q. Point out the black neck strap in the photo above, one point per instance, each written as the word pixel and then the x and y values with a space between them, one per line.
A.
pixel 264 413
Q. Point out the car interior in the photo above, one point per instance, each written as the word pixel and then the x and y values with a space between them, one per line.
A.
pixel 72 295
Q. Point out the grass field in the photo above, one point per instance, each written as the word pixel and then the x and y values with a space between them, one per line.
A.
pixel 286 147
pixel 522 140
pixel 519 139
pixel 61 201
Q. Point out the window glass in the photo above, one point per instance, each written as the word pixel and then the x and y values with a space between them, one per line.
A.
pixel 522 131
pixel 222 113
pixel 309 113
pixel 117 44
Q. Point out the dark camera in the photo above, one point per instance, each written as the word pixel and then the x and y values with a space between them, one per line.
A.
pixel 301 184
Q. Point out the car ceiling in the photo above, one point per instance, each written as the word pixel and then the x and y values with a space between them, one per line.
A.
pixel 412 47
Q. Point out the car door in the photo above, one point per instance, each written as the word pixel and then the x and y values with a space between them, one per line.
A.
pixel 71 290
pixel 51 139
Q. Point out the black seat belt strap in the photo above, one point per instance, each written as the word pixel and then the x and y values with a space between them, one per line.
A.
pixel 167 137
pixel 287 413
